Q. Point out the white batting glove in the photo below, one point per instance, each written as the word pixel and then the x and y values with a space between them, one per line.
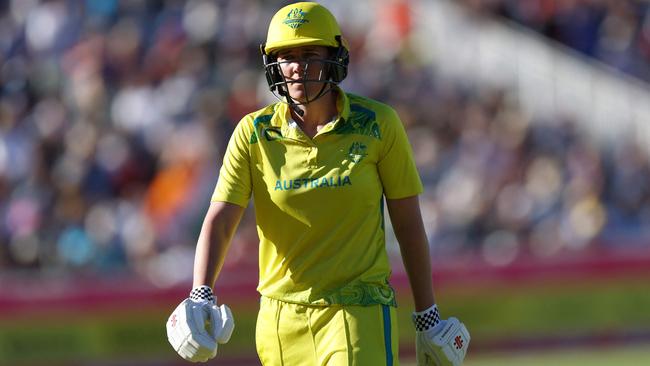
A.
pixel 197 325
pixel 439 342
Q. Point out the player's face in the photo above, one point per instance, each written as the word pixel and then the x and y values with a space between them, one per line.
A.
pixel 302 67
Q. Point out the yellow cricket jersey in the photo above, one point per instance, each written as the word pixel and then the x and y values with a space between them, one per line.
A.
pixel 319 202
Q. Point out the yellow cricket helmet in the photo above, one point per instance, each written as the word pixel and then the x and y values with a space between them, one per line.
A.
pixel 303 24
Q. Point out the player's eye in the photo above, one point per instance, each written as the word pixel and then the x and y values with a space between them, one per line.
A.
pixel 285 58
pixel 299 56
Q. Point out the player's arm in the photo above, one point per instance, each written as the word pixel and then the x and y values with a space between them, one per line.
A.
pixel 197 324
pixel 409 230
pixel 438 342
pixel 217 231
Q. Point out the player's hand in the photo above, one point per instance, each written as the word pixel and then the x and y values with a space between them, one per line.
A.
pixel 198 325
pixel 439 342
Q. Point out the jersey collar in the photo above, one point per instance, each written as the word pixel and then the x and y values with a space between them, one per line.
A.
pixel 282 117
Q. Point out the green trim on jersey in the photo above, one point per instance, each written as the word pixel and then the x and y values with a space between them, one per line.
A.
pixel 319 201
pixel 362 121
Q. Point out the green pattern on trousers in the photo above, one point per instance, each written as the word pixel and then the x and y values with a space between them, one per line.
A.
pixel 362 294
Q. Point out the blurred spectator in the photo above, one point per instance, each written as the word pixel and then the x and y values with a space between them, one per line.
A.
pixel 612 31
pixel 114 116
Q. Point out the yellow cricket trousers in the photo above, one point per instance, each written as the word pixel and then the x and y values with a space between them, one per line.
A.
pixel 290 334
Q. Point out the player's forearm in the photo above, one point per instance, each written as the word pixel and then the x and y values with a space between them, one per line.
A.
pixel 415 255
pixel 209 257
pixel 409 230
pixel 217 231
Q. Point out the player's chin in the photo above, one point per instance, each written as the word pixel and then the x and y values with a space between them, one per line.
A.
pixel 298 96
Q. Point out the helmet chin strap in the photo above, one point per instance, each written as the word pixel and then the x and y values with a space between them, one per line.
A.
pixel 295 107
pixel 327 88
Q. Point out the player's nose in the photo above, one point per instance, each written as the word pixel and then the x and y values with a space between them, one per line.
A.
pixel 297 67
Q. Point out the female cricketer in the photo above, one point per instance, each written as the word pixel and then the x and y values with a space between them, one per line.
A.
pixel 319 165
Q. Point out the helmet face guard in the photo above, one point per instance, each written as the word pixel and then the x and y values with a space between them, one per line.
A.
pixel 304 24
pixel 332 72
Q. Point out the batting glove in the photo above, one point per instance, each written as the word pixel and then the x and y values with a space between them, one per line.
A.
pixel 439 342
pixel 197 325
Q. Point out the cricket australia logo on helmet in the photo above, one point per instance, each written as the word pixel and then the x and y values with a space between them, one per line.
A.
pixel 295 18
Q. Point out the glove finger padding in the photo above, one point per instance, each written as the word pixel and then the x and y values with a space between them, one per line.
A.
pixel 177 329
pixel 426 354
pixel 199 324
pixel 453 338
pixel 223 323
pixel 187 334
pixel 445 344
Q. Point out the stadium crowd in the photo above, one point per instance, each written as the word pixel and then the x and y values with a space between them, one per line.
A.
pixel 114 116
pixel 615 32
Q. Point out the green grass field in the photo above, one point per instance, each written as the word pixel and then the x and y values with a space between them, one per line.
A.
pixel 493 314
pixel 608 356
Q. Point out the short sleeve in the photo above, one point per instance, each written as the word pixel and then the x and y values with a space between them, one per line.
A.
pixel 396 166
pixel 234 184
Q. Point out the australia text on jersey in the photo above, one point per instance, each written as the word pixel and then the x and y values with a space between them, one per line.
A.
pixel 305 183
